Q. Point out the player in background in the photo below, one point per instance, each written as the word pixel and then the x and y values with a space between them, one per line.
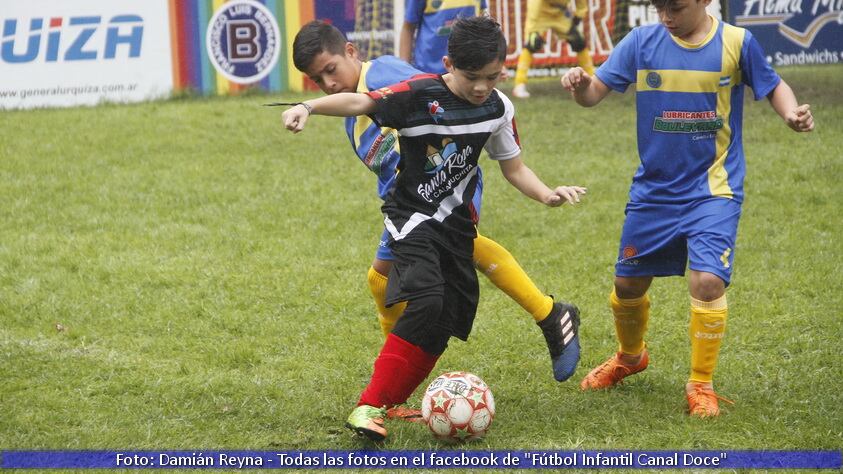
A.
pixel 427 24
pixel 554 15
pixel 443 122
pixel 321 51
pixel 685 200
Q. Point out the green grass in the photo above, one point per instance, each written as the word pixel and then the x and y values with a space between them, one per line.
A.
pixel 186 275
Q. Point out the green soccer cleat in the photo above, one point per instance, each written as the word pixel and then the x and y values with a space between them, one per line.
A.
pixel 367 421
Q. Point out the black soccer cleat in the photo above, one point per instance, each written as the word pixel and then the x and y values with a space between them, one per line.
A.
pixel 561 332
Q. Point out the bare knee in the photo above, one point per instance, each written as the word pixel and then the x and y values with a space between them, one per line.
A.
pixel 631 287
pixel 705 286
pixel 382 266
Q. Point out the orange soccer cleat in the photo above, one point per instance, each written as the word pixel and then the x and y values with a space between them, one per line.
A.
pixel 702 401
pixel 612 371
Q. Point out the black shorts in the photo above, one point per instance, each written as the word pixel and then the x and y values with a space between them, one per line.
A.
pixel 423 267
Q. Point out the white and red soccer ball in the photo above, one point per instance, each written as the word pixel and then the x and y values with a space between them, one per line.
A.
pixel 458 406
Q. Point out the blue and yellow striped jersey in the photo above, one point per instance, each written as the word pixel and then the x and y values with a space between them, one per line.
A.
pixel 689 100
pixel 377 147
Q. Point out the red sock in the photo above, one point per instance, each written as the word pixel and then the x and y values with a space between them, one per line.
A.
pixel 399 369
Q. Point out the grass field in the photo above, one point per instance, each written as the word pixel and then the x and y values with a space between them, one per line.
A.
pixel 187 275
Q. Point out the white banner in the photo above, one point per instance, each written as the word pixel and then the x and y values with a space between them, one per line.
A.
pixel 60 53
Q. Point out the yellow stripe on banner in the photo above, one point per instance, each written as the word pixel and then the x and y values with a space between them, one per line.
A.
pixel 676 80
pixel 292 24
pixel 222 81
pixel 448 4
pixel 718 177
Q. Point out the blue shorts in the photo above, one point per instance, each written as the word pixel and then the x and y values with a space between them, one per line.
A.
pixel 383 252
pixel 664 239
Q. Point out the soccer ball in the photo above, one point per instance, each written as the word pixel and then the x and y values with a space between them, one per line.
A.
pixel 458 406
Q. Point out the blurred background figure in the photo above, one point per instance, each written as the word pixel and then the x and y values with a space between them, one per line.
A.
pixel 554 15
pixel 427 25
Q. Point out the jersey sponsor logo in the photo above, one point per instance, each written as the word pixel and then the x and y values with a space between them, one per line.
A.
pixel 75 38
pixel 445 30
pixel 382 145
pixel 435 110
pixel 243 41
pixel 446 166
pixel 674 121
pixel 654 80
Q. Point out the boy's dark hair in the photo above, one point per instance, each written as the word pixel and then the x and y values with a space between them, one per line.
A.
pixel 662 4
pixel 314 38
pixel 476 42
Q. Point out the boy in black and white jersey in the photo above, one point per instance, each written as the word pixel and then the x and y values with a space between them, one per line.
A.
pixel 443 122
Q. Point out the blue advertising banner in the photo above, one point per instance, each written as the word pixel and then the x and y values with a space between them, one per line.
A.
pixel 421 459
pixel 793 32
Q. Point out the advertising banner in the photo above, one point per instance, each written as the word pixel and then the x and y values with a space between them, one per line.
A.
pixel 794 32
pixel 56 53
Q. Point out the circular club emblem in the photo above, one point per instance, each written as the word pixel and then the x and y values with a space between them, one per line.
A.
pixel 243 41
pixel 654 80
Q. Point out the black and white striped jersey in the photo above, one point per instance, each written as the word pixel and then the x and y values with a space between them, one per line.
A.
pixel 440 138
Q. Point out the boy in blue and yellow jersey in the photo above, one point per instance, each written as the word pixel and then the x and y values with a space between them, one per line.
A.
pixel 554 15
pixel 444 122
pixel 321 51
pixel 685 200
pixel 427 24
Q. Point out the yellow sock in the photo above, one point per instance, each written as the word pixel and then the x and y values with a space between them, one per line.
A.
pixel 386 316
pixel 585 62
pixel 504 272
pixel 708 324
pixel 524 62
pixel 631 317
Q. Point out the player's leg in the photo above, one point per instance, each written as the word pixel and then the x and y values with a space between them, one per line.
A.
pixel 712 228
pixel 576 37
pixel 650 246
pixel 410 351
pixel 559 322
pixel 533 42
pixel 377 279
pixel 501 268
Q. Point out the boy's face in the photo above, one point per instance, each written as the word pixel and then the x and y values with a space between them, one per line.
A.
pixel 474 86
pixel 335 73
pixel 683 17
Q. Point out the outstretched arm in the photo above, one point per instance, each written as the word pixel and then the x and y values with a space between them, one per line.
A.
pixel 798 117
pixel 586 90
pixel 345 104
pixel 523 178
